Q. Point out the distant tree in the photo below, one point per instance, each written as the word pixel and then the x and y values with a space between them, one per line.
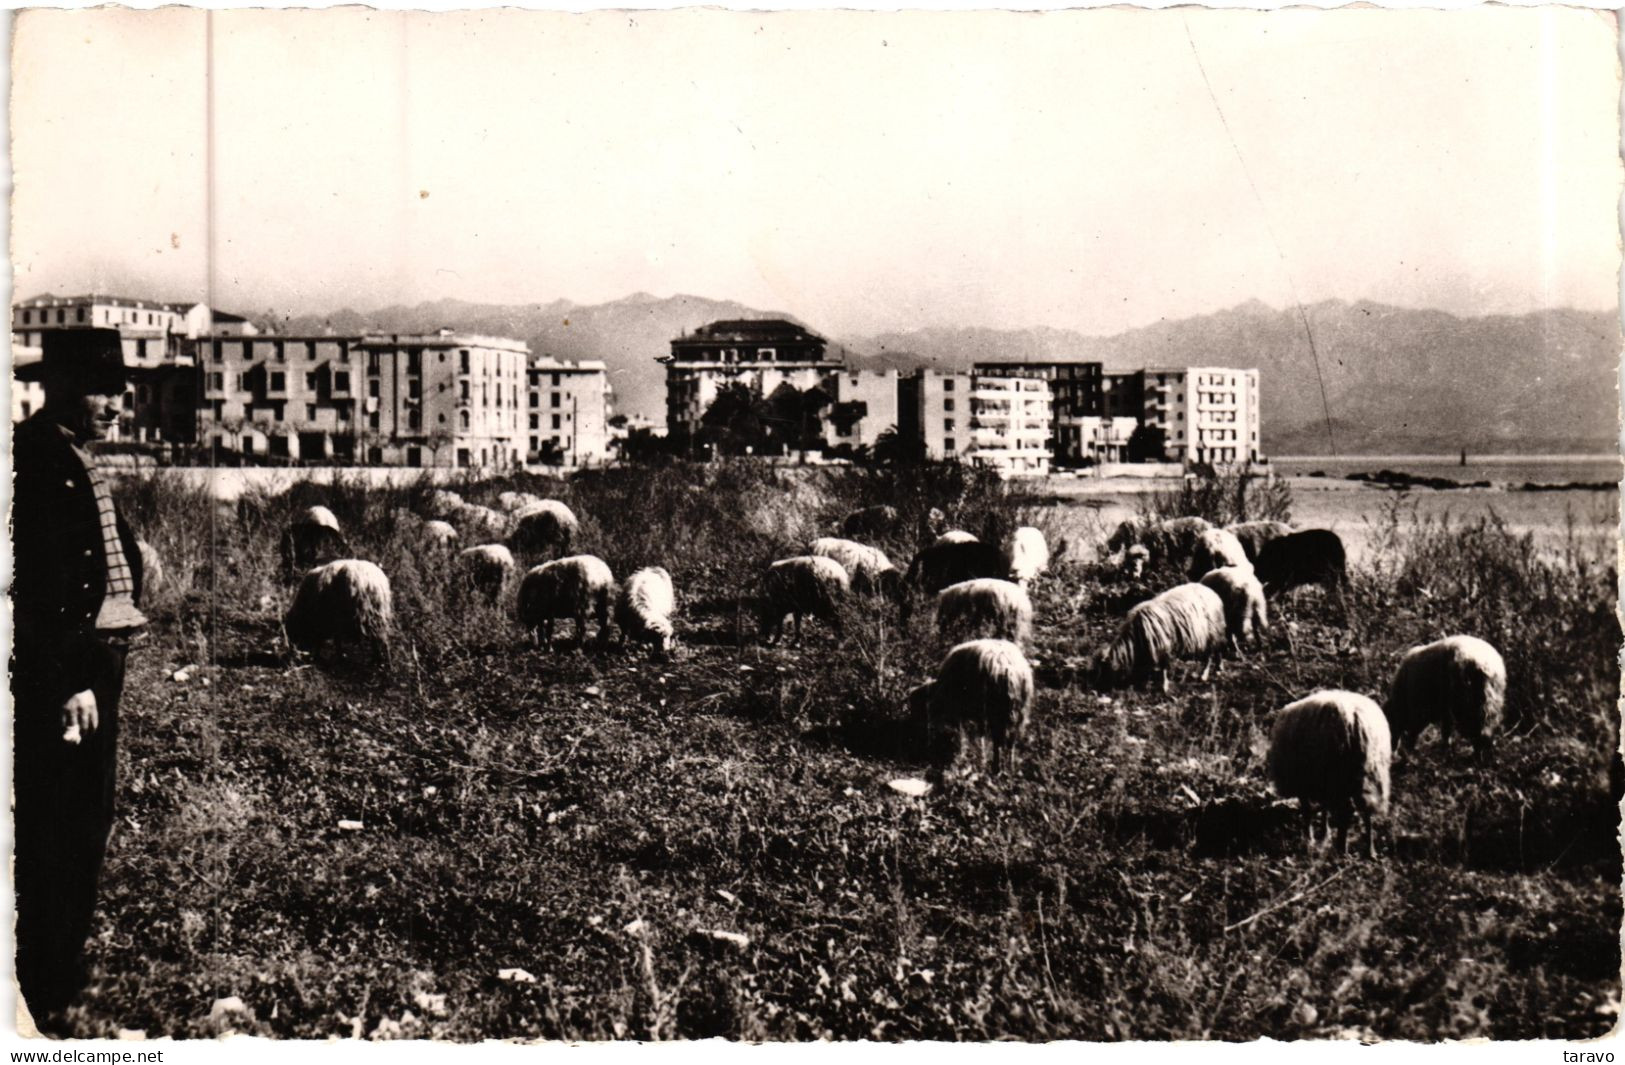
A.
pixel 893 449
pixel 435 441
pixel 642 445
pixel 736 421
pixel 1146 443
pixel 796 418
pixel 844 416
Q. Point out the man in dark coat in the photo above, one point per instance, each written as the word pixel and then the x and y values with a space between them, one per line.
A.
pixel 77 580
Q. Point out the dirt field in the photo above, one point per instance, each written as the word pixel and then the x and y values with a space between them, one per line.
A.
pixel 594 818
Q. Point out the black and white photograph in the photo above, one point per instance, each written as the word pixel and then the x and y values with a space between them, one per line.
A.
pixel 806 526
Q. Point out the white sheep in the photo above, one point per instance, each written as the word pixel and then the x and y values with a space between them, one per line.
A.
pixel 983 687
pixel 644 608
pixel 1459 682
pixel 486 568
pixel 439 535
pixel 480 523
pixel 1246 614
pixel 806 584
pixel 444 503
pixel 570 587
pixel 152 570
pixel 984 608
pixel 1029 554
pixel 313 536
pixel 868 568
pixel 346 601
pixel 1135 559
pixel 1253 535
pixel 1172 540
pixel 1186 621
pixel 1214 549
pixel 514 502
pixel 544 526
pixel 954 536
pixel 1332 751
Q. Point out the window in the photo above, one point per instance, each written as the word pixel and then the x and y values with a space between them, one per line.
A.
pixel 947 425
pixel 462 391
pixel 463 362
pixel 553 401
pixel 279 382
pixel 372 388
pixel 535 421
pixel 948 384
pixel 414 362
pixel 129 401
pixel 310 412
pixel 535 399
pixel 414 387
pixel 344 414
pixel 310 382
pixel 28 317
pixel 341 381
pixel 462 420
pixel 414 419
pixel 80 314
pixel 948 443
pixel 555 421
pixel 414 456
pixel 276 412
pixel 372 420
pixel 372 362
pixel 217 381
pixel 555 380
pixel 61 316
pixel 947 404
pixel 375 455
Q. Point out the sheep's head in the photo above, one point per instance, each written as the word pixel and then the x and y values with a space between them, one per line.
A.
pixel 658 632
pixel 1135 560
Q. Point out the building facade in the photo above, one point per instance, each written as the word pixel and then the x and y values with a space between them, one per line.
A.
pixel 760 354
pixel 934 412
pixel 440 399
pixel 864 406
pixel 568 412
pixel 1076 403
pixel 1011 424
pixel 1206 414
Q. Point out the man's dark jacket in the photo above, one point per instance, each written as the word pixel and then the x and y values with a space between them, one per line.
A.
pixel 60 572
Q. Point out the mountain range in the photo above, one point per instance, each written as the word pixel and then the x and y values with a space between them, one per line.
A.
pixel 1395 380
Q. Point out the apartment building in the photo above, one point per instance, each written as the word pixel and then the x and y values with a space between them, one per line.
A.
pixel 1011 424
pixel 440 399
pixel 934 411
pixel 761 354
pixel 568 412
pixel 1206 413
pixel 865 405
pixel 1076 403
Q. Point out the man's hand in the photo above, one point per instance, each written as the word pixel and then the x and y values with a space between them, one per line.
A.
pixel 79 716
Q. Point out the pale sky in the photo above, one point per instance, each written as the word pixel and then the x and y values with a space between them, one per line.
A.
pixel 863 171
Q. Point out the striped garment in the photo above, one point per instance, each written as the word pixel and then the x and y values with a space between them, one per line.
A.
pixel 118 611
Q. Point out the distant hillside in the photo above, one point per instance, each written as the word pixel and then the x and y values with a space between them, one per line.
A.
pixel 1396 380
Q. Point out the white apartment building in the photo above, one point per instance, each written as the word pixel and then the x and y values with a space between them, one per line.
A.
pixel 568 411
pixel 864 406
pixel 1010 424
pixel 1207 413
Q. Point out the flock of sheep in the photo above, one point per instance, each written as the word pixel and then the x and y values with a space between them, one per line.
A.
pixel 1331 750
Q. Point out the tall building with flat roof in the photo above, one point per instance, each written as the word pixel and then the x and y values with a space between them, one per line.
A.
pixel 1206 413
pixel 568 412
pixel 760 354
pixel 1076 403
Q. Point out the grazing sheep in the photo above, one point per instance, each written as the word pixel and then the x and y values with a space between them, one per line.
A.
pixel 868 568
pixel 444 503
pixel 1215 549
pixel 807 584
pixel 1184 622
pixel 152 570
pixel 1170 541
pixel 1246 616
pixel 1029 555
pixel 872 522
pixel 1332 751
pixel 514 502
pixel 955 536
pixel 439 535
pixel 480 523
pixel 311 538
pixel 1314 556
pixel 1253 535
pixel 933 523
pixel 644 608
pixel 942 564
pixel 569 587
pixel 346 601
pixel 545 526
pixel 1459 682
pixel 1135 560
pixel 486 568
pixel 982 686
pixel 984 608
